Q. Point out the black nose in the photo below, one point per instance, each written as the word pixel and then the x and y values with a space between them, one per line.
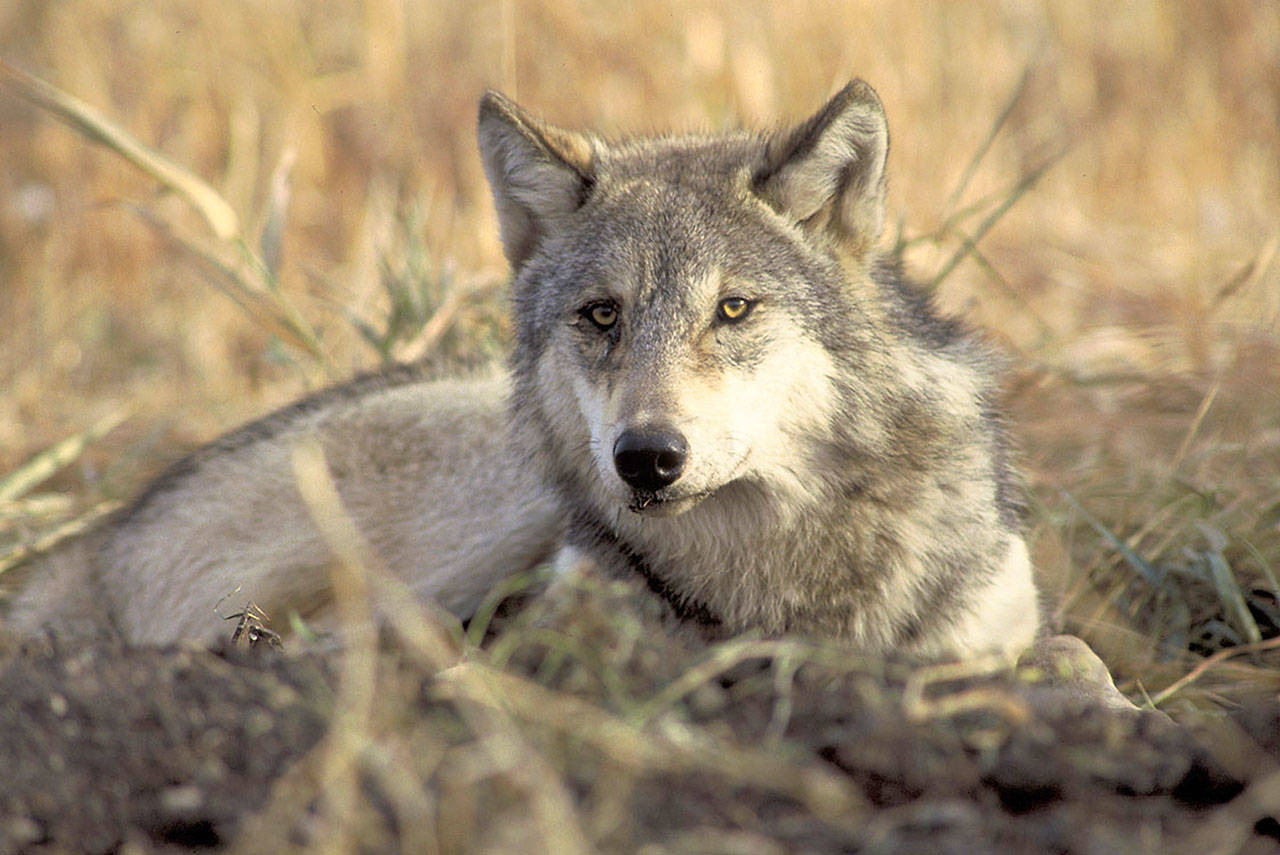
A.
pixel 650 458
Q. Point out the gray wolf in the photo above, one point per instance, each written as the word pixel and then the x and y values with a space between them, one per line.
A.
pixel 719 386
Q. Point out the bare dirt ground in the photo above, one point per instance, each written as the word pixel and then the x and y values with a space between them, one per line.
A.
pixel 789 750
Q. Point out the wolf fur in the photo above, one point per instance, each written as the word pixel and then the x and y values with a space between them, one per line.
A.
pixel 718 386
pixel 423 467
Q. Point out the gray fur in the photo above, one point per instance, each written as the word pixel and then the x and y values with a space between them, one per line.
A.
pixel 846 472
pixel 889 515
pixel 227 524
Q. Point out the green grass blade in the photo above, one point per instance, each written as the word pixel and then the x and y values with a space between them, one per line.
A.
pixel 243 284
pixel 1226 586
pixel 992 133
pixel 1019 190
pixel 1144 568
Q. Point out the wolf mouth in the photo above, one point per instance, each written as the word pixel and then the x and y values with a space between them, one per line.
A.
pixel 666 503
pixel 659 505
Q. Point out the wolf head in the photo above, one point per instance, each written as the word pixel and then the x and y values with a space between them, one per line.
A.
pixel 681 301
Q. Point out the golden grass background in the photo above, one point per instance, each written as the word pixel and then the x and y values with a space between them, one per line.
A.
pixel 1135 286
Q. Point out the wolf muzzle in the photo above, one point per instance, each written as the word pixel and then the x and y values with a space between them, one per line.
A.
pixel 650 458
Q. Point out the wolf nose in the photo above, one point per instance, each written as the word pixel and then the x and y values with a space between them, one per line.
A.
pixel 650 458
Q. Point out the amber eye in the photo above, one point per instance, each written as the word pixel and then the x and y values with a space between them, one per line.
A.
pixel 603 315
pixel 734 308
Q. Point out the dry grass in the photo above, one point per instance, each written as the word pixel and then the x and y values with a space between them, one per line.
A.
pixel 1135 284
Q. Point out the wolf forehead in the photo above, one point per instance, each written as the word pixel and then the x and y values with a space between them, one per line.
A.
pixel 671 225
pixel 679 206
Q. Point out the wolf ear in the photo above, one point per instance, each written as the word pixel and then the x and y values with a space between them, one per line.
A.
pixel 828 173
pixel 539 174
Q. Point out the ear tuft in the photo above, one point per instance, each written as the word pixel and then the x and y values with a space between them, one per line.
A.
pixel 828 173
pixel 539 174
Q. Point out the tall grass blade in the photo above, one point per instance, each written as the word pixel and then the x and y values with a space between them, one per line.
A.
pixel 1019 190
pixel 1144 568
pixel 1248 273
pixel 45 464
pixel 992 133
pixel 271 241
pixel 1208 663
pixel 1226 586
pixel 48 540
pixel 268 308
pixel 216 211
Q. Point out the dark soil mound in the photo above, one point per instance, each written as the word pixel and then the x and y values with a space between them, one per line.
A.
pixel 603 735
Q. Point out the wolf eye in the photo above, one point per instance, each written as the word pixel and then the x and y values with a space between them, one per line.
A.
pixel 603 315
pixel 734 308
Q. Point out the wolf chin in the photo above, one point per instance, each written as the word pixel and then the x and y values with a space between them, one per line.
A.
pixel 719 386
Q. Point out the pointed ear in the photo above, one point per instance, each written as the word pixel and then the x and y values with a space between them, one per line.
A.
pixel 539 174
pixel 828 173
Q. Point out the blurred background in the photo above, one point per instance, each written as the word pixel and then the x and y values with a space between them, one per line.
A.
pixel 1096 184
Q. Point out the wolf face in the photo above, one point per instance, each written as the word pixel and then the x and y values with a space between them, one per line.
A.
pixel 689 362
pixel 736 399
pixel 680 298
